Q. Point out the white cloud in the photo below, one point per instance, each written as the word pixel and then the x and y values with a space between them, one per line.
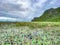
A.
pixel 53 1
pixel 7 18
pixel 22 4
pixel 40 3
pixel 23 8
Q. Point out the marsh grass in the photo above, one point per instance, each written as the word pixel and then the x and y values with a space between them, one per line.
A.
pixel 30 24
pixel 14 34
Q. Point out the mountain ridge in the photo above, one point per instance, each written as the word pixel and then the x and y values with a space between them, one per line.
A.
pixel 50 15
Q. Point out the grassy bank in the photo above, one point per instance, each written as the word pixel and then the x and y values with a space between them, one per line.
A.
pixel 32 24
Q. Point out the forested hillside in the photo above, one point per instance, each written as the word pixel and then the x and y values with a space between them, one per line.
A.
pixel 51 15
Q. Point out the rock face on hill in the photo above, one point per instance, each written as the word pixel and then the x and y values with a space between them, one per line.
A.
pixel 51 15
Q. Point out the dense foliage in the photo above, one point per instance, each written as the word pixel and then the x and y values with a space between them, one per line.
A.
pixel 27 36
pixel 51 15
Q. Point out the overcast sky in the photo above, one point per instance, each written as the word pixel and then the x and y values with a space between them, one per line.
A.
pixel 25 10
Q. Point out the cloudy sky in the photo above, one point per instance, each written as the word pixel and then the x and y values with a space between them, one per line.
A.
pixel 25 10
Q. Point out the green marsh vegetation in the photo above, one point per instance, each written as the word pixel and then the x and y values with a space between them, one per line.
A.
pixel 30 33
